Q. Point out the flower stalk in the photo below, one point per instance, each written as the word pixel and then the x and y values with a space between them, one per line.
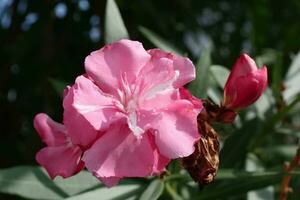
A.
pixel 288 169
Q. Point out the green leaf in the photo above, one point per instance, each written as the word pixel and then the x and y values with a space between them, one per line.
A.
pixel 58 85
pixel 226 174
pixel 292 79
pixel 114 28
pixel 153 191
pixel 34 183
pixel 219 74
pixel 159 41
pixel 264 104
pixel 215 95
pixel 268 57
pixel 254 164
pixel 288 131
pixel 234 152
pixel 233 174
pixel 276 76
pixel 199 86
pixel 230 183
pixel 239 187
pixel 272 122
pixel 118 192
pixel 172 192
pixel 285 151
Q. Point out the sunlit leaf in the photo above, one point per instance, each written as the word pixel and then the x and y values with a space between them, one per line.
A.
pixel 34 183
pixel 292 79
pixel 270 124
pixel 220 74
pixel 158 41
pixel 114 28
pixel 119 192
pixel 199 86
pixel 285 151
pixel 288 131
pixel 214 94
pixel 239 187
pixel 269 56
pixel 264 103
pixel 238 182
pixel 254 164
pixel 153 191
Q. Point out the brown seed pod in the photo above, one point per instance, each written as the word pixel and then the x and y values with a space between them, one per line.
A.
pixel 203 164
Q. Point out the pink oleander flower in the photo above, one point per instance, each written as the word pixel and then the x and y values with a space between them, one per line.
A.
pixel 61 157
pixel 245 83
pixel 130 111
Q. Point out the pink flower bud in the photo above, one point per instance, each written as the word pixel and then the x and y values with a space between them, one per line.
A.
pixel 245 83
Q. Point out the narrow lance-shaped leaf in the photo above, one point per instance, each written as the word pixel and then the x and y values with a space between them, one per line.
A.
pixel 199 86
pixel 217 79
pixel 158 41
pixel 119 192
pixel 234 150
pixel 34 183
pixel 114 28
pixel 153 191
pixel 254 164
pixel 236 182
pixel 268 57
pixel 235 188
pixel 292 79
pixel 219 74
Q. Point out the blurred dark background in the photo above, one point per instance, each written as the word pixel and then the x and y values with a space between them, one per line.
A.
pixel 43 44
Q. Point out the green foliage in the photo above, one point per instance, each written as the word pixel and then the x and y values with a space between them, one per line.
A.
pixel 120 192
pixel 200 85
pixel 159 41
pixel 253 149
pixel 292 79
pixel 219 74
pixel 114 25
pixel 153 191
pixel 34 183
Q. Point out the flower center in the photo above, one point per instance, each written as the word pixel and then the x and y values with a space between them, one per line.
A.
pixel 129 100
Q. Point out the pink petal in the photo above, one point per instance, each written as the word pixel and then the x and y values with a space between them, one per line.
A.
pixel 118 153
pixel 177 130
pixel 61 161
pixel 87 110
pixel 51 132
pixel 183 65
pixel 146 119
pixel 109 181
pixel 156 78
pixel 243 66
pixel 160 101
pixel 66 91
pixel 185 94
pixel 262 76
pixel 107 65
pixel 160 161
pixel 249 88
pixel 245 83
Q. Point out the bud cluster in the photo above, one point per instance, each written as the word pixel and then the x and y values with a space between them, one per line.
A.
pixel 244 86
